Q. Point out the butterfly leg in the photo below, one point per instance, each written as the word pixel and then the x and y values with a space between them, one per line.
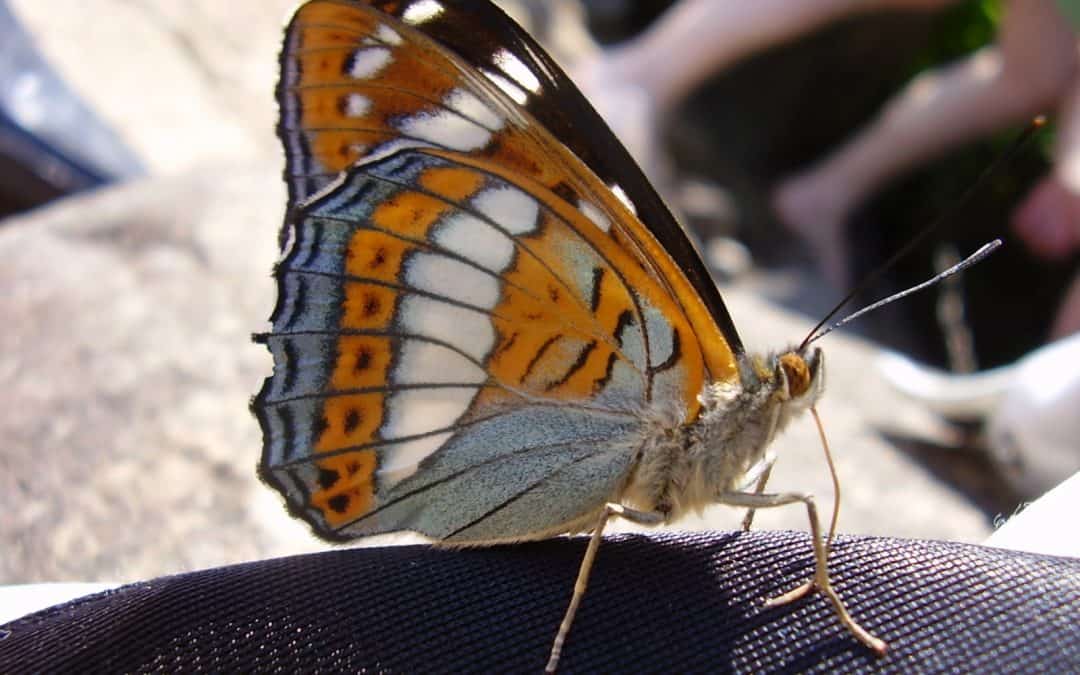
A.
pixel 609 510
pixel 821 574
pixel 759 487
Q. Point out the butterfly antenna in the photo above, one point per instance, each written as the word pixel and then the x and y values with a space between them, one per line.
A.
pixel 975 257
pixel 869 280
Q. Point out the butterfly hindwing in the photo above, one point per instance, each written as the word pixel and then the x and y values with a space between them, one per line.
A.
pixel 471 326
pixel 447 295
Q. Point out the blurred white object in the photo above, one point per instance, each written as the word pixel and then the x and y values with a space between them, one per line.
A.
pixel 728 257
pixel 956 397
pixel 1031 409
pixel 1044 526
pixel 1034 432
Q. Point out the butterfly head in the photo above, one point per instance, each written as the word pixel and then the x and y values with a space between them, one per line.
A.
pixel 801 376
pixel 791 381
pixel 799 379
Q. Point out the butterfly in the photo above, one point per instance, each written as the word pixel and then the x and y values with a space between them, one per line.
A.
pixel 489 327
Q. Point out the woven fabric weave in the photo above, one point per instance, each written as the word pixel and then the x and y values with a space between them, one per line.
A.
pixel 678 602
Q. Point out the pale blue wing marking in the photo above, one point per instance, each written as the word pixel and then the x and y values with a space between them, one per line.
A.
pixel 477 473
pixel 584 480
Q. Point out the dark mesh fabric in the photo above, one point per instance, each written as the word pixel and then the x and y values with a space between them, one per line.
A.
pixel 687 602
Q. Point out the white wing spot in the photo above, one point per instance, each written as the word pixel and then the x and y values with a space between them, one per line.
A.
pixel 357 105
pixel 387 34
pixel 511 208
pixel 417 411
pixel 367 62
pixel 421 362
pixel 453 279
pixel 447 129
pixel 472 238
pixel 624 198
pixel 401 460
pixel 511 89
pixel 470 106
pixel 593 213
pixel 510 64
pixel 422 12
pixel 467 330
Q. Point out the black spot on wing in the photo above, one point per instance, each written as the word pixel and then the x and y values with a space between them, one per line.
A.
pixel 577 365
pixel 506 344
pixel 348 63
pixel 597 280
pixel 538 355
pixel 565 192
pixel 625 320
pixel 673 358
pixel 606 377
pixel 327 478
pixel 291 366
pixel 363 359
pixel 288 430
pixel 298 306
pixel 315 230
pixel 339 503
pixel 319 426
pixel 352 420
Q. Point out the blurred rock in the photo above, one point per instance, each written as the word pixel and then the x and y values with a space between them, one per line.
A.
pixel 181 82
pixel 126 449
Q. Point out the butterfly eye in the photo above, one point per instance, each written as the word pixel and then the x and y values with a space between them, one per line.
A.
pixel 797 372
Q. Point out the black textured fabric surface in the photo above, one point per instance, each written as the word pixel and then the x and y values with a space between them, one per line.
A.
pixel 681 602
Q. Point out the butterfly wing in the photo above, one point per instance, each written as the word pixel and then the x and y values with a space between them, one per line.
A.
pixel 458 63
pixel 471 326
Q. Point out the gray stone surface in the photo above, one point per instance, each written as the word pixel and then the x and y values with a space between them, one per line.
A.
pixel 126 449
pixel 183 83
pixel 126 446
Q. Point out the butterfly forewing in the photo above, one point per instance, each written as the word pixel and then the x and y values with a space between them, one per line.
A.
pixel 441 53
pixel 469 321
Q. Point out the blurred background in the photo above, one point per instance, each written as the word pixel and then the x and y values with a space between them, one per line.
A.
pixel 141 193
